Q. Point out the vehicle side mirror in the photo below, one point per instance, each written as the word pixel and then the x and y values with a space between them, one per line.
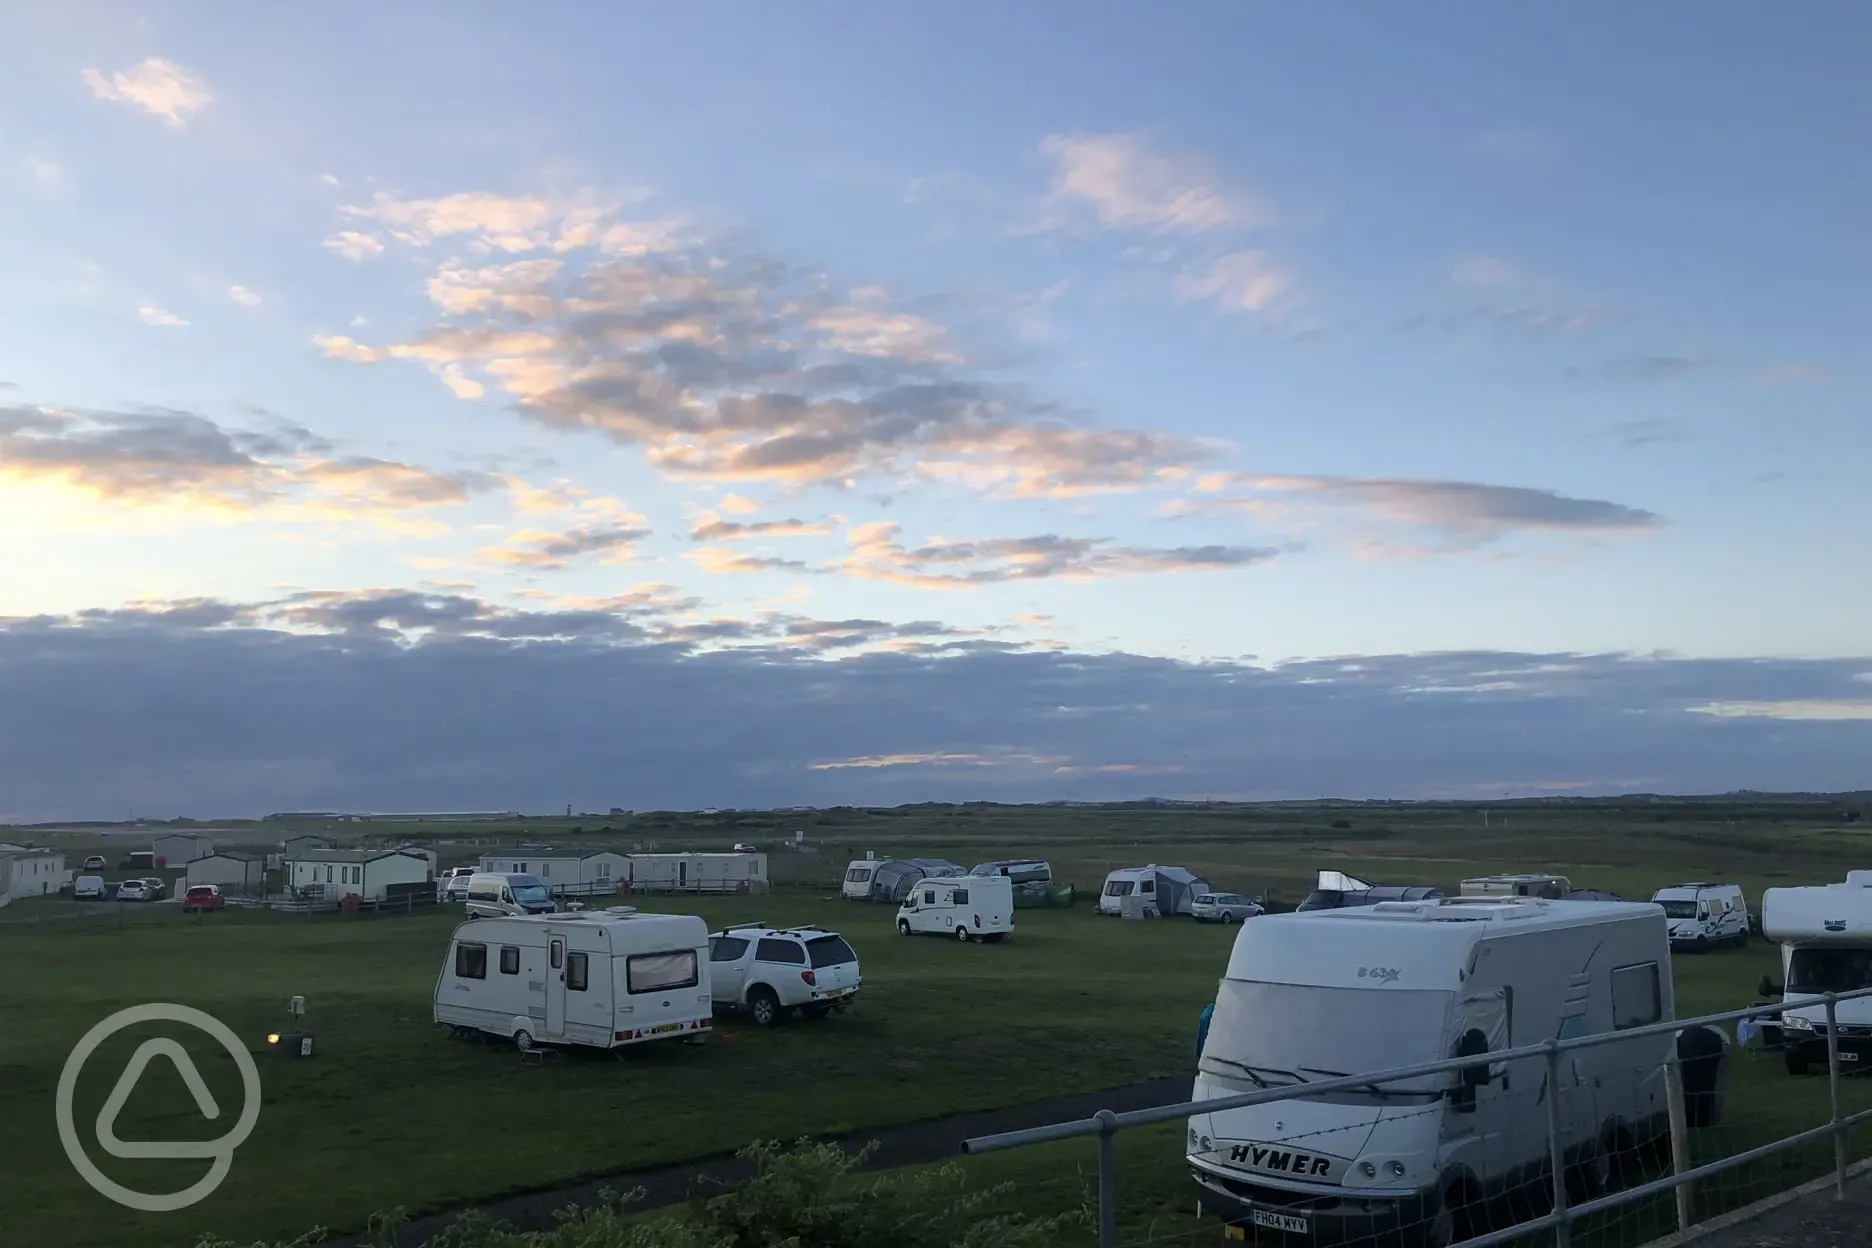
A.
pixel 1474 1044
pixel 1768 988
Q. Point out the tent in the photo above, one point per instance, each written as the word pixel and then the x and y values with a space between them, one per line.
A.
pixel 1170 889
pixel 895 877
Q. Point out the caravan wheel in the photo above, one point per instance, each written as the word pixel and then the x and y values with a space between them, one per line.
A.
pixel 523 1040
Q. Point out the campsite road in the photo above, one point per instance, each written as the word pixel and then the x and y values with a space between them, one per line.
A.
pixel 913 1143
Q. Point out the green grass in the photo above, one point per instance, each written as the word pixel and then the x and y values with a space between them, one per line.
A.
pixel 392 1113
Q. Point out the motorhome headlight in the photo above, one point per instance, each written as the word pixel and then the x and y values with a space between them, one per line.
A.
pixel 1193 1137
pixel 1797 1023
pixel 1207 1143
pixel 1395 1168
pixel 1368 1170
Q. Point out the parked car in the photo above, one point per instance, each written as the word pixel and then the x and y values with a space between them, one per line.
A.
pixel 133 890
pixel 88 888
pixel 452 885
pixel 203 897
pixel 1222 908
pixel 94 863
pixel 158 888
pixel 771 971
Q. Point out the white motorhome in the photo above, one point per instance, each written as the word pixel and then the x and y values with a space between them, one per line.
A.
pixel 975 907
pixel 605 978
pixel 858 873
pixel 1704 916
pixel 1825 934
pixel 1316 995
pixel 492 896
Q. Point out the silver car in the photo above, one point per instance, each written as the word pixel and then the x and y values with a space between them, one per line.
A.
pixel 1222 908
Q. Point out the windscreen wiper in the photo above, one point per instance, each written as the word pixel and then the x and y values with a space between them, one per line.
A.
pixel 1373 1088
pixel 1256 1072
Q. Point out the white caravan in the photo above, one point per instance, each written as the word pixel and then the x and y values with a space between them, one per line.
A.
pixel 1168 890
pixel 606 978
pixel 1704 916
pixel 975 907
pixel 858 873
pixel 1312 996
pixel 1825 934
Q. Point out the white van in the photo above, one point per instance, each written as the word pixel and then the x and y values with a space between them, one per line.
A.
pixel 605 978
pixel 975 907
pixel 858 873
pixel 88 888
pixel 1704 916
pixel 491 895
pixel 1825 934
pixel 1312 996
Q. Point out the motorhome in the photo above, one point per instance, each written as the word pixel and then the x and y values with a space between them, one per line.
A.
pixel 1552 887
pixel 975 907
pixel 605 978
pixel 1704 916
pixel 1166 890
pixel 858 873
pixel 492 896
pixel 1825 934
pixel 1312 996
pixel 1336 889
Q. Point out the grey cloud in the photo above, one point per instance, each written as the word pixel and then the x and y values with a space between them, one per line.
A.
pixel 1651 431
pixel 555 550
pixel 1466 508
pixel 959 563
pixel 1641 368
pixel 256 718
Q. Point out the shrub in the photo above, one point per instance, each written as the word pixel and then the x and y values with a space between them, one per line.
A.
pixel 803 1197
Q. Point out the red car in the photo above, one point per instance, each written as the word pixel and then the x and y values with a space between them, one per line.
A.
pixel 203 897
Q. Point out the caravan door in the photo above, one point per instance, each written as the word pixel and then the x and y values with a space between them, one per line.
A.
pixel 555 988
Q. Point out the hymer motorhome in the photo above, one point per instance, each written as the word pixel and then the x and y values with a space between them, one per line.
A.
pixel 1313 996
pixel 1825 934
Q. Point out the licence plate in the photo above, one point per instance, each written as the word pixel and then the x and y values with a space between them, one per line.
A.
pixel 665 1029
pixel 1280 1221
pixel 836 993
pixel 1847 1056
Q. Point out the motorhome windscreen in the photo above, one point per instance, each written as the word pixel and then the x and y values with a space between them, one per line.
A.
pixel 830 951
pixel 1267 1035
pixel 1679 909
pixel 1119 888
pixel 532 894
pixel 1829 970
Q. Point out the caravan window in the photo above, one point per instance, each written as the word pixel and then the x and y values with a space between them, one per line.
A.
pixel 558 954
pixel 1118 888
pixel 1148 884
pixel 1636 999
pixel 575 971
pixel 510 960
pixel 959 896
pixel 661 972
pixel 471 961
pixel 858 875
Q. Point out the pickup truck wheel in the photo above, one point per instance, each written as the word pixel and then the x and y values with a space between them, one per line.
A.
pixel 903 927
pixel 764 1006
pixel 962 934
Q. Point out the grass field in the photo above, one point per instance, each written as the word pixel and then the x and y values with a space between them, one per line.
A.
pixel 391 1113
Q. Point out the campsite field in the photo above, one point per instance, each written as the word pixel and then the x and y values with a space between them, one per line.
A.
pixel 391 1113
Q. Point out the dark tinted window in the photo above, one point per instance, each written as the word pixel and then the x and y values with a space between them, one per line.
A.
pixel 961 896
pixel 726 948
pixel 575 971
pixel 772 950
pixel 510 960
pixel 1147 885
pixel 558 954
pixel 929 896
pixel 471 961
pixel 830 951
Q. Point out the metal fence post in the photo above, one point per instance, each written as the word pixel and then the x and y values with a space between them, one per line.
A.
pixel 1108 1178
pixel 1833 1090
pixel 1679 1134
pixel 1556 1148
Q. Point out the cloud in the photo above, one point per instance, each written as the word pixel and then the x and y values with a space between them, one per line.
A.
pixel 1641 368
pixel 730 367
pixel 542 550
pixel 151 315
pixel 1131 183
pixel 1522 318
pixel 1464 509
pixel 354 245
pixel 1651 431
pixel 1242 281
pixel 379 699
pixel 1824 709
pixel 947 563
pixel 158 87
pixel 172 460
pixel 710 527
pixel 1487 271
pixel 246 298
pixel 725 561
pixel 47 173
pixel 490 223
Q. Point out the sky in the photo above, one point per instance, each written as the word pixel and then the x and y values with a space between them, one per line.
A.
pixel 733 404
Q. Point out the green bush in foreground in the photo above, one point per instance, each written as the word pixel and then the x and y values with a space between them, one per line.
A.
pixel 803 1197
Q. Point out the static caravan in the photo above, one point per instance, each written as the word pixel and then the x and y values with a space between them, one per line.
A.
pixel 1169 890
pixel 605 978
pixel 1703 916
pixel 370 874
pixel 1825 934
pixel 1552 887
pixel 974 907
pixel 1353 990
pixel 572 871
pixel 857 883
pixel 697 873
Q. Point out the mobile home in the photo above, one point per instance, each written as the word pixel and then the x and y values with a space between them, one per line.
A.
pixel 1825 934
pixel 974 907
pixel 1304 1001
pixel 370 874
pixel 605 978
pixel 563 870
pixel 1703 916
pixel 1169 889
pixel 697 873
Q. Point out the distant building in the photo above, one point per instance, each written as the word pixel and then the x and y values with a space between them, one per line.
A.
pixel 232 870
pixel 371 874
pixel 292 845
pixel 177 849
pixel 559 867
pixel 698 873
pixel 30 873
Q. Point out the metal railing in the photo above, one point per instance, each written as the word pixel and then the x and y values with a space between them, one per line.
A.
pixel 1106 1124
